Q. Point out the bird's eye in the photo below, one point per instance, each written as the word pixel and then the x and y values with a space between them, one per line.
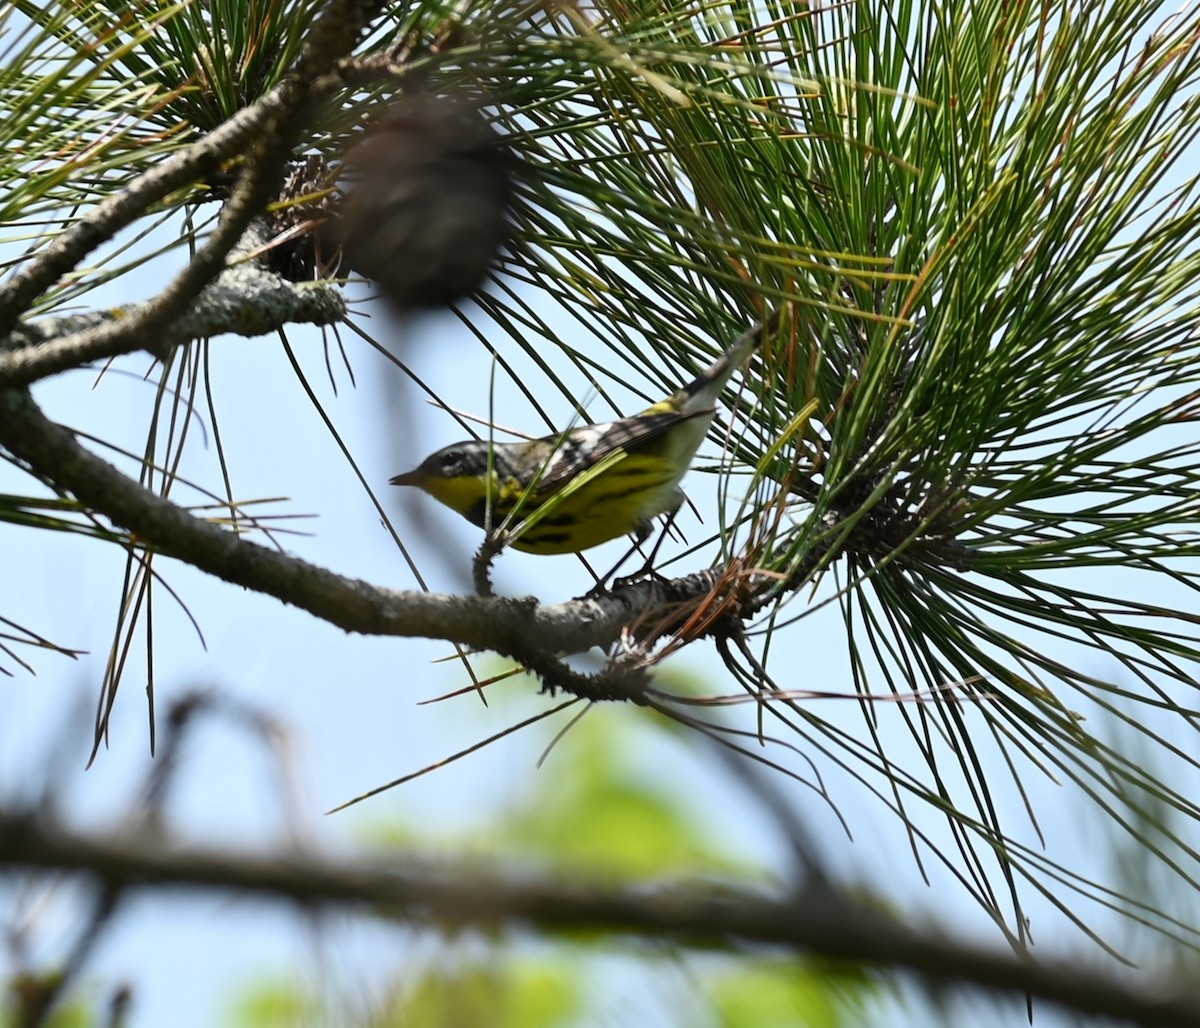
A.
pixel 451 462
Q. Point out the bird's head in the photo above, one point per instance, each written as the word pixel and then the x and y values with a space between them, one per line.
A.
pixel 455 475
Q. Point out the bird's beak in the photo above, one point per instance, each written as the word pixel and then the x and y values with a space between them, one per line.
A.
pixel 414 477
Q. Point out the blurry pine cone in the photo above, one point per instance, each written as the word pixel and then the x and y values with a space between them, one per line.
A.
pixel 427 196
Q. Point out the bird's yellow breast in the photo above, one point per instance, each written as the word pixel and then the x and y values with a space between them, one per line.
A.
pixel 618 501
pixel 463 493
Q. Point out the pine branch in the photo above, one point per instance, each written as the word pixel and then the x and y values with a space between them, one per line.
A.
pixel 245 299
pixel 519 628
pixel 819 921
pixel 267 129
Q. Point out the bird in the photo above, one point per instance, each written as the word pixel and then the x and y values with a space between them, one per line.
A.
pixel 576 489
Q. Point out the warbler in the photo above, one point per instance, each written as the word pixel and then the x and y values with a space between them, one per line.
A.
pixel 580 488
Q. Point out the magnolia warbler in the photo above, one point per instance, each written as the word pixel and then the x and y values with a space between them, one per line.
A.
pixel 580 488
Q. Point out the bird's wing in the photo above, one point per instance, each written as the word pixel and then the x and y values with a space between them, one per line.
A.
pixel 584 448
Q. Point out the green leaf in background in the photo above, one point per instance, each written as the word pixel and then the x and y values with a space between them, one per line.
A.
pixel 764 992
pixel 596 812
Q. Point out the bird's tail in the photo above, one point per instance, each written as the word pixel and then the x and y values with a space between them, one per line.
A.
pixel 702 393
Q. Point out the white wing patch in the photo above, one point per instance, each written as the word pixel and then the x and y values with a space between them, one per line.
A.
pixel 581 448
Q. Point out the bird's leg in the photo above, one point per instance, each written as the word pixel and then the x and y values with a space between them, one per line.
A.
pixel 648 567
pixel 643 533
